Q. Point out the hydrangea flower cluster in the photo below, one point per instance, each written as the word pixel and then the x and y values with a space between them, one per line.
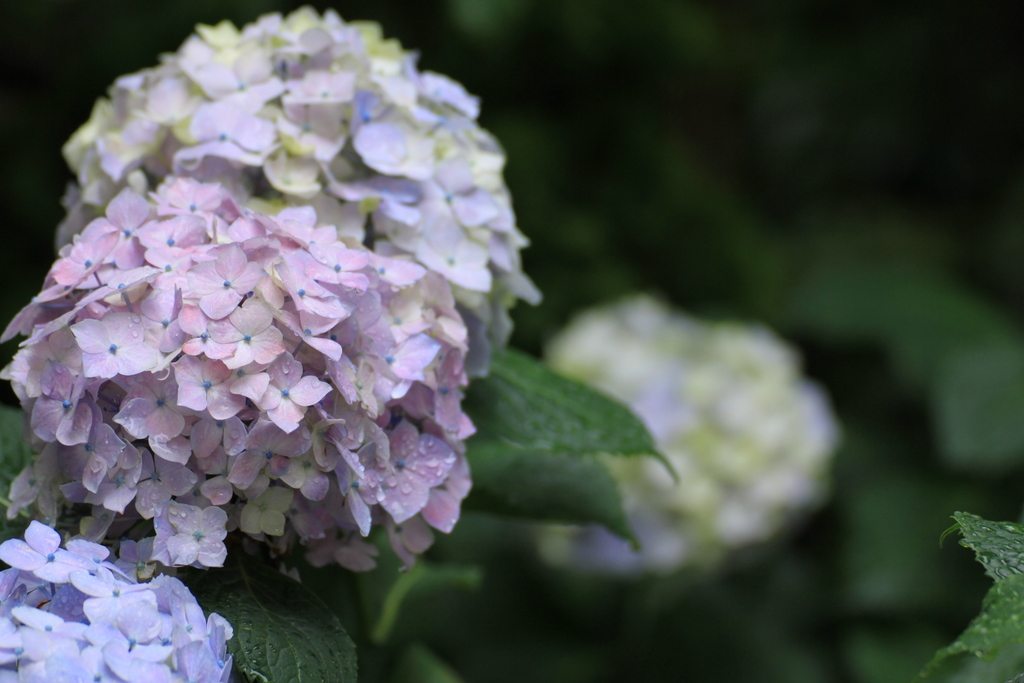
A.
pixel 749 438
pixel 70 614
pixel 307 110
pixel 210 368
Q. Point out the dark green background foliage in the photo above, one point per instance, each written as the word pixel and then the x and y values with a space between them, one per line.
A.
pixel 848 172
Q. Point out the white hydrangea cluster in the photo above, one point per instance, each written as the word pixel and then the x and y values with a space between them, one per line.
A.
pixel 308 110
pixel 749 438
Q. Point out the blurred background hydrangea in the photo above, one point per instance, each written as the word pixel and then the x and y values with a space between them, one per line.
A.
pixel 849 173
pixel 748 439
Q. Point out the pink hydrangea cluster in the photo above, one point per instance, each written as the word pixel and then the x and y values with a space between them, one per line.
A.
pixel 70 614
pixel 209 368
pixel 307 110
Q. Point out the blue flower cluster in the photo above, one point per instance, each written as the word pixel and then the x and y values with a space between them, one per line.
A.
pixel 69 614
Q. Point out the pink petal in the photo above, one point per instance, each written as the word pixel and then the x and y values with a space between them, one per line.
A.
pixel 475 208
pixel 164 422
pixel 331 349
pixel 308 391
pixel 205 437
pixel 193 321
pixel 17 553
pixel 285 371
pixel 404 500
pixel 135 359
pixel 416 536
pixel 92 336
pixel 231 261
pixel 247 279
pixel 42 538
pixel 223 404
pixel 224 331
pixel 252 318
pixel 192 396
pixel 286 415
pixel 267 346
pixel 252 387
pixel 442 510
pixel 173 450
pixel 234 436
pixel 221 303
pixel 133 414
pixel 103 365
pixel 413 356
pixel 218 490
pixel 245 468
pixel 396 271
pixel 128 210
pixel 316 486
pixel 76 430
pixel 360 511
pixel 432 460
pixel 203 279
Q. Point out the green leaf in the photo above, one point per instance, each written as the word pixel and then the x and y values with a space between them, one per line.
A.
pixel 1005 665
pixel 419 665
pixel 919 317
pixel 992 646
pixel 544 485
pixel 422 579
pixel 536 451
pixel 15 454
pixel 977 403
pixel 524 403
pixel 998 545
pixel 284 633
